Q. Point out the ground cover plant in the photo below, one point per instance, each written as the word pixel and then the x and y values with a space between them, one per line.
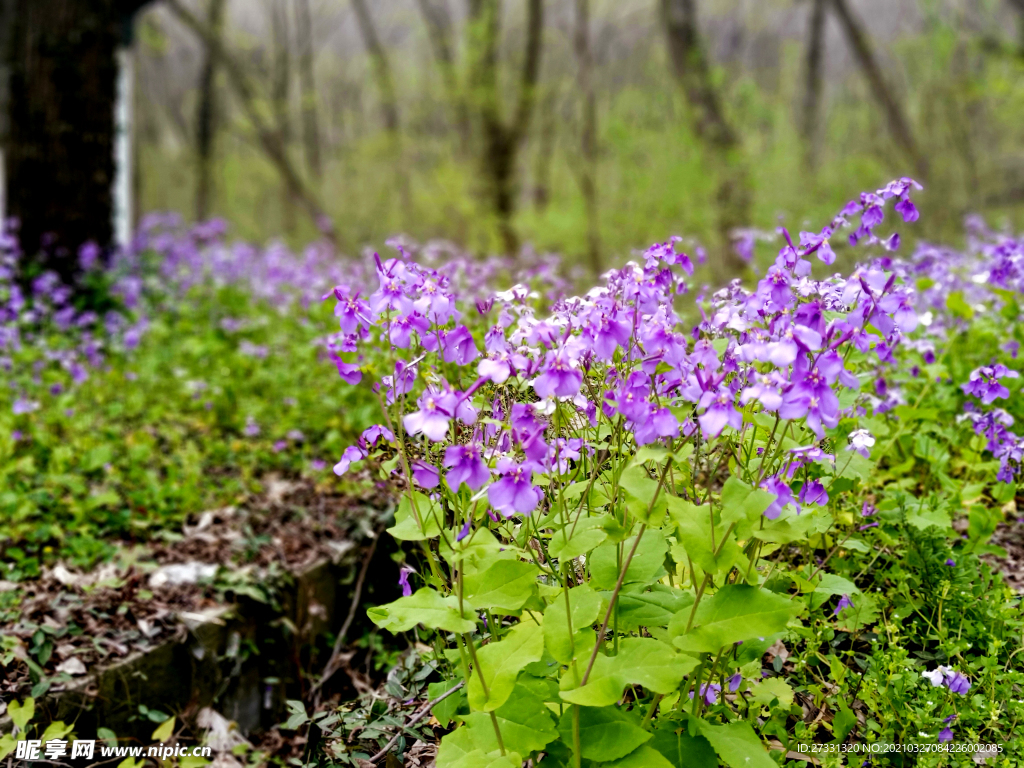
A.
pixel 754 537
pixel 178 381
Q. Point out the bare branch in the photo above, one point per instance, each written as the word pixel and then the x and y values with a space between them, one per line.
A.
pixel 380 64
pixel 268 138
pixel 898 125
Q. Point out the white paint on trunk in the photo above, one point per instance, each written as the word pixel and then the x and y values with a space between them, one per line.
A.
pixel 123 222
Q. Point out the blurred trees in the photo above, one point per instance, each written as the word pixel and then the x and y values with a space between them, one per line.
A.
pixel 448 118
pixel 690 65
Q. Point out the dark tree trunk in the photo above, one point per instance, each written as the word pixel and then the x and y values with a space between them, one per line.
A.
pixel 501 140
pixel 810 123
pixel 280 96
pixel 380 64
pixel 440 33
pixel 588 132
pixel 207 114
pixel 690 65
pixel 310 118
pixel 60 117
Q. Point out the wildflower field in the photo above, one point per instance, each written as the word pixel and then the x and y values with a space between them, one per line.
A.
pixel 638 523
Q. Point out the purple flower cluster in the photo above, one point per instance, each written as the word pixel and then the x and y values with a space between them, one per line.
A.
pixel 507 390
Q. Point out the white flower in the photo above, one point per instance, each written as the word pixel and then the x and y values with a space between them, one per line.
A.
pixel 936 676
pixel 861 441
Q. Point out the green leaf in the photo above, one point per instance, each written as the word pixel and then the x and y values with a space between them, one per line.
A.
pixel 693 524
pixel 501 662
pixel 737 744
pixel 574 540
pixel 654 608
pixel 794 527
pixel 648 560
pixel 7 745
pixel 861 614
pixel 956 304
pixel 526 724
pixel 163 732
pixel 741 503
pixel 831 584
pixel 771 688
pixel 644 756
pixel 640 661
pixel 406 528
pixel 426 607
pixel 735 612
pixel 458 750
pixel 585 604
pixel 650 506
pixel 683 750
pixel 505 586
pixel 606 733
pixel 22 713
pixel 446 710
pixel 843 722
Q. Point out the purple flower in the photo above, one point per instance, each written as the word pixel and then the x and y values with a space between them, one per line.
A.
pixel 459 346
pixel 403 580
pixel 734 682
pixel 720 413
pixel 559 378
pixel 783 496
pixel 349 372
pixel 844 602
pixel 431 419
pixel 946 734
pixel 23 405
pixel 659 423
pixel 466 465
pixel 950 562
pixel 709 692
pixel 813 493
pixel 514 492
pixel 425 475
pixel 465 530
pixel 351 454
pixel 957 683
pixel 984 383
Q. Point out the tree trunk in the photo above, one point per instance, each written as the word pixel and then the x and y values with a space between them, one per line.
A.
pixel 546 139
pixel 501 141
pixel 588 132
pixel 380 65
pixel 899 127
pixel 61 60
pixel 207 113
pixel 280 92
pixel 690 66
pixel 310 121
pixel 441 36
pixel 814 71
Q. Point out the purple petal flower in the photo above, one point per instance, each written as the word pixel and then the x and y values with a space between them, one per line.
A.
pixel 946 734
pixel 783 496
pixel 514 492
pixel 425 475
pixel 813 493
pixel 349 372
pixel 559 378
pixel 734 682
pixel 844 602
pixel 431 419
pixel 403 580
pixel 465 530
pixel 351 454
pixel 466 465
pixel 459 346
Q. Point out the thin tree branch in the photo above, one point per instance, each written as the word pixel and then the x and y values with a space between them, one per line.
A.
pixel 899 127
pixel 380 64
pixel 268 138
pixel 814 72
